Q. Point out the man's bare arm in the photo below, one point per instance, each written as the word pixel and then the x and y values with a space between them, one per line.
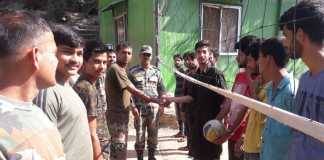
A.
pixel 140 94
pixel 181 99
pixel 225 108
pixel 97 155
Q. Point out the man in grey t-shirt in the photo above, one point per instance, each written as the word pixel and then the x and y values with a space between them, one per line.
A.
pixel 62 104
pixel 303 29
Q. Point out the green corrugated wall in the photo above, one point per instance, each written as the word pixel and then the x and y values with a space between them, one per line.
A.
pixel 140 24
pixel 180 29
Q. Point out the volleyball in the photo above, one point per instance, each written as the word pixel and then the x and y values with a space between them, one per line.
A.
pixel 213 129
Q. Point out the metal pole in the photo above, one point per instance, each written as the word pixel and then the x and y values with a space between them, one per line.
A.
pixel 157 32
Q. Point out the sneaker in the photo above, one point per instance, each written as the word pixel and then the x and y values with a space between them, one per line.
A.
pixel 178 135
pixel 183 148
pixel 181 139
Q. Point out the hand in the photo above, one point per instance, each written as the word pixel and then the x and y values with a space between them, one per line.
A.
pixel 155 100
pixel 165 101
pixel 223 138
pixel 135 112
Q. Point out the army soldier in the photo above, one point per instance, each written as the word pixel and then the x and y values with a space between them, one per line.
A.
pixel 102 128
pixel 94 66
pixel 148 79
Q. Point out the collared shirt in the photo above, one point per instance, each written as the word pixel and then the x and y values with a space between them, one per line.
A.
pixel 276 135
pixel 310 104
pixel 149 81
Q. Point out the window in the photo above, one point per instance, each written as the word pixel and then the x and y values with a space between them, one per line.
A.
pixel 220 24
pixel 120 25
pixel 119 12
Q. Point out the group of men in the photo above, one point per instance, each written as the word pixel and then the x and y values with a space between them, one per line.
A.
pixel 88 118
pixel 262 76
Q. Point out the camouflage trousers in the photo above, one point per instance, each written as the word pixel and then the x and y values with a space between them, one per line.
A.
pixel 118 128
pixel 105 149
pixel 147 121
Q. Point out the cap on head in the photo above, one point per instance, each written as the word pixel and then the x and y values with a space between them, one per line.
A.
pixel 146 49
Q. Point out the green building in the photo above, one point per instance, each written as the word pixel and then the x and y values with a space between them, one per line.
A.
pixel 174 26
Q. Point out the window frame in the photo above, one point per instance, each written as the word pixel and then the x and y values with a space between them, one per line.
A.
pixel 220 6
pixel 116 18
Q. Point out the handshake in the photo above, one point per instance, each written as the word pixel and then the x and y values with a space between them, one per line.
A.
pixel 164 100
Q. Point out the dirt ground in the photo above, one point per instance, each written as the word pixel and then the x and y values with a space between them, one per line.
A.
pixel 168 146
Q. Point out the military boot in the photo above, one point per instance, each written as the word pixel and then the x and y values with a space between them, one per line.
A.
pixel 151 154
pixel 140 155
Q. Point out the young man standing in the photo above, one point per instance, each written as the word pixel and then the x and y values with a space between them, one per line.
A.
pixel 100 86
pixel 148 79
pixel 111 54
pixel 28 64
pixel 62 104
pixel 303 28
pixel 280 93
pixel 103 132
pixel 191 63
pixel 206 103
pixel 214 57
pixel 256 120
pixel 94 65
pixel 119 89
pixel 236 121
pixel 178 63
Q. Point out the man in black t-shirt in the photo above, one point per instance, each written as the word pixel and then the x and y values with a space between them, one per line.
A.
pixel 206 103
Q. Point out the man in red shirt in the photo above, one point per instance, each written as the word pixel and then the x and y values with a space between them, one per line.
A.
pixel 236 113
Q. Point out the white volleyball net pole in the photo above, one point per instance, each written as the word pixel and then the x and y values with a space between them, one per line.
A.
pixel 302 124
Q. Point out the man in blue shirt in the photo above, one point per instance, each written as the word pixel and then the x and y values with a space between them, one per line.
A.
pixel 303 28
pixel 280 93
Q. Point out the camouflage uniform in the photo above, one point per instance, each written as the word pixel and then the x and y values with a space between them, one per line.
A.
pixel 150 81
pixel 102 128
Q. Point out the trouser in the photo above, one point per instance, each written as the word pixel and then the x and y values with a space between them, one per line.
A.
pixel 231 151
pixel 149 122
pixel 251 156
pixel 188 123
pixel 118 128
pixel 105 149
pixel 180 118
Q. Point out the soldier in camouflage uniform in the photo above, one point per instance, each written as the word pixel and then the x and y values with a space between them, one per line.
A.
pixel 147 78
pixel 91 91
pixel 102 128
